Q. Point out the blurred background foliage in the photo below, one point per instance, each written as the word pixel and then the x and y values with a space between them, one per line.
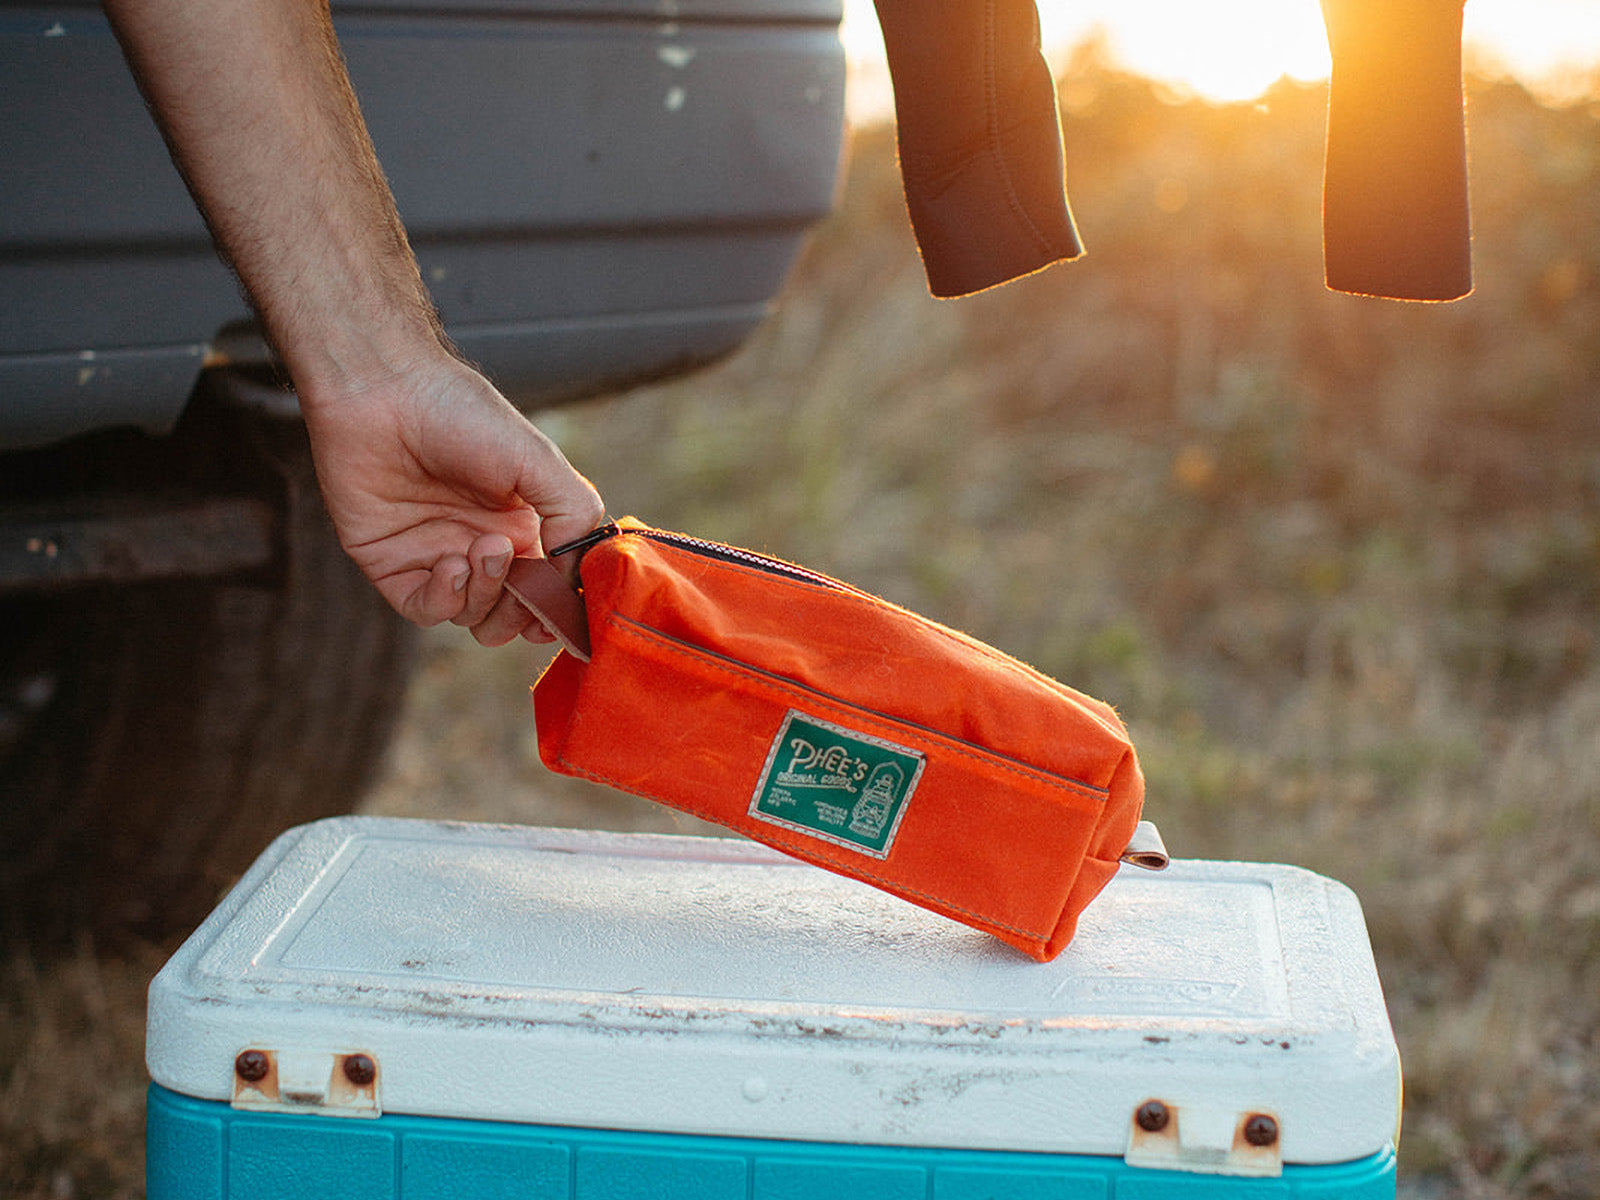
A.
pixel 1335 560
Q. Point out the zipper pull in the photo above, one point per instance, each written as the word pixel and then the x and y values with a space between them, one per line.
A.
pixel 600 534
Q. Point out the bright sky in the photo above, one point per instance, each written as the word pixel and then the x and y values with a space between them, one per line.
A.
pixel 1234 49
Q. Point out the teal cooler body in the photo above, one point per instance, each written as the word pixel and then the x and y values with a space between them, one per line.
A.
pixel 203 1150
pixel 403 1010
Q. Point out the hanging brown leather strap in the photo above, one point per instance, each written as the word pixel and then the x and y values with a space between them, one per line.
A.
pixel 979 140
pixel 1394 206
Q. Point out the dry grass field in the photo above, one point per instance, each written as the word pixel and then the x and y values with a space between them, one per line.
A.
pixel 1336 561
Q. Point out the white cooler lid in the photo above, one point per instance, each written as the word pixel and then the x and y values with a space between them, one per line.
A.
pixel 708 985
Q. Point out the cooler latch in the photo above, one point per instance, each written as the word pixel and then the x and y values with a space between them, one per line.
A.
pixel 324 1083
pixel 1199 1138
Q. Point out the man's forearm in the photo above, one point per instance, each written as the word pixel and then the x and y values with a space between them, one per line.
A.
pixel 433 480
pixel 255 104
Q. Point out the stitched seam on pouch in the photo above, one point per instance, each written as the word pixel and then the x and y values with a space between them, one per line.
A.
pixel 964 641
pixel 1038 775
pixel 760 832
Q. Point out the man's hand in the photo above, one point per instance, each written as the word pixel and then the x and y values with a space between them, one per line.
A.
pixel 434 481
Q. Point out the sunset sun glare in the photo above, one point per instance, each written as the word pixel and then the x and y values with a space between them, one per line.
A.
pixel 1234 50
pixel 1224 52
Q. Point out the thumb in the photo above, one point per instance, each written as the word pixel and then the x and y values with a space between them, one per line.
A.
pixel 568 504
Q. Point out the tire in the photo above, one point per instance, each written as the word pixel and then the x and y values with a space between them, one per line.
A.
pixel 154 738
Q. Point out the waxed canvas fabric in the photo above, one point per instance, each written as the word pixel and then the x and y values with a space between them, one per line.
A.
pixel 845 731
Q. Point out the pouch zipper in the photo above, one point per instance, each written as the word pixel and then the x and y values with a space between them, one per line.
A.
pixel 776 566
pixel 707 549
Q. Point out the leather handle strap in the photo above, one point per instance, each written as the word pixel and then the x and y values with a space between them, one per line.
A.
pixel 544 591
pixel 1146 849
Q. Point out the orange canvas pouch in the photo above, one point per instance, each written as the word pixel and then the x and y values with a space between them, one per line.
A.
pixel 832 725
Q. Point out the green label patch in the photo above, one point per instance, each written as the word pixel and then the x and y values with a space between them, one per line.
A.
pixel 835 783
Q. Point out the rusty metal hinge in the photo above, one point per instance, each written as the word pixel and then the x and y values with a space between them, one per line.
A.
pixel 335 1084
pixel 1198 1138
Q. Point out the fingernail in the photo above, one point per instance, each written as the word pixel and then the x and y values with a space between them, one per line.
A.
pixel 497 565
pixel 460 581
